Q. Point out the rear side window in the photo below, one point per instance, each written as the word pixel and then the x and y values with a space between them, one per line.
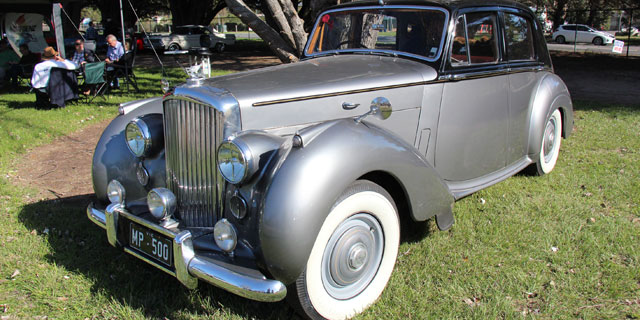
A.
pixel 519 37
pixel 570 28
pixel 476 37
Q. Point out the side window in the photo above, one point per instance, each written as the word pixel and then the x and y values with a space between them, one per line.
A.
pixel 519 37
pixel 459 50
pixel 481 32
pixel 570 28
pixel 480 39
pixel 583 28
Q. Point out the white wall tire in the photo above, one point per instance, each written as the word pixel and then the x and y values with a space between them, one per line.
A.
pixel 318 293
pixel 550 146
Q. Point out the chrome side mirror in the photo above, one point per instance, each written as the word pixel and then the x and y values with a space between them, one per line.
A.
pixel 380 107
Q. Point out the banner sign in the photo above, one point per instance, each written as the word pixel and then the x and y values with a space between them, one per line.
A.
pixel 618 46
pixel 25 28
pixel 57 24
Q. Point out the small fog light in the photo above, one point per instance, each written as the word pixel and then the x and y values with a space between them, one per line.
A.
pixel 142 174
pixel 225 235
pixel 115 192
pixel 238 206
pixel 162 203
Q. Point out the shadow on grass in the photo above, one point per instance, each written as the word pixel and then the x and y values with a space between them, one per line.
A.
pixel 81 247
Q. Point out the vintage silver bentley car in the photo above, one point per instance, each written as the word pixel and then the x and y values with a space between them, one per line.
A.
pixel 293 180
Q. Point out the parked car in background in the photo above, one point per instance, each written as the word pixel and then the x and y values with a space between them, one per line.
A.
pixel 292 180
pixel 571 32
pixel 190 36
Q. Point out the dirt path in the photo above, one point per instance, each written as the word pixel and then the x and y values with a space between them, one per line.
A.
pixel 63 167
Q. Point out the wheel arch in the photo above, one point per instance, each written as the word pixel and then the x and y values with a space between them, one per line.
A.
pixel 305 186
pixel 552 94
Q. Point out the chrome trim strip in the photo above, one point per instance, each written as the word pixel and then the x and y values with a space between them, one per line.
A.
pixel 189 267
pixel 443 78
pixel 384 7
pixel 341 93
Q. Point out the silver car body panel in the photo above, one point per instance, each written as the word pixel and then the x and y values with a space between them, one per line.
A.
pixel 307 183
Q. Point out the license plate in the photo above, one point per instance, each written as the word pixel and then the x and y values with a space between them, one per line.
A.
pixel 151 243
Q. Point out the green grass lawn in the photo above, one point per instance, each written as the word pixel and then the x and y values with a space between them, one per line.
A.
pixel 561 246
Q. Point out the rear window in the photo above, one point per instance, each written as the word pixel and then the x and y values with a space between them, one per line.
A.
pixel 519 37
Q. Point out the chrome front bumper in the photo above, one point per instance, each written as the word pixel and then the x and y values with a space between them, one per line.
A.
pixel 189 267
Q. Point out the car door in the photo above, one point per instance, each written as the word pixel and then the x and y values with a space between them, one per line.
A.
pixel 520 52
pixel 569 33
pixel 584 34
pixel 473 125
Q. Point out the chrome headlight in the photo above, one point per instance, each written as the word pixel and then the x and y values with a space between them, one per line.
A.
pixel 138 137
pixel 115 192
pixel 225 235
pixel 161 202
pixel 234 161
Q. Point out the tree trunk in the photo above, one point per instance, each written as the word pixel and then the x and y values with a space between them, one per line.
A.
pixel 281 21
pixel 297 25
pixel 278 45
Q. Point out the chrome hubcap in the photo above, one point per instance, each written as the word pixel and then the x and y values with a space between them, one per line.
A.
pixel 357 257
pixel 352 256
pixel 549 140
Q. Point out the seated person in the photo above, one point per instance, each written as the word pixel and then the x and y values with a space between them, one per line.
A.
pixel 82 55
pixel 42 70
pixel 7 56
pixel 27 61
pixel 114 53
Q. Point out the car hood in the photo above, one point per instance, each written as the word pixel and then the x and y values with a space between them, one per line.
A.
pixel 321 76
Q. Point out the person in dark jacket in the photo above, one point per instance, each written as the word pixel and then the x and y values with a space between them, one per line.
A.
pixel 27 61
pixel 82 55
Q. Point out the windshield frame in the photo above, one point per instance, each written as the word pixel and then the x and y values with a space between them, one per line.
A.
pixel 445 29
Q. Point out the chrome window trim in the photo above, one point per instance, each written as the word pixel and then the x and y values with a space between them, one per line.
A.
pixel 373 51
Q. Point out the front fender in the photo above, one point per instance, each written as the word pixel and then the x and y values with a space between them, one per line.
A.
pixel 307 183
pixel 552 94
pixel 113 160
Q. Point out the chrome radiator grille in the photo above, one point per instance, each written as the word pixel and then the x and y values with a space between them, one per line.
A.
pixel 193 132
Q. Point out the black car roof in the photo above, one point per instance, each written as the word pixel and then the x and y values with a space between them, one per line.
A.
pixel 451 5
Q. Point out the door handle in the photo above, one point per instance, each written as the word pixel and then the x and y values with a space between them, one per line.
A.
pixel 349 106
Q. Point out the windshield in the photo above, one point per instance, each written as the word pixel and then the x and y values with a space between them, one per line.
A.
pixel 414 31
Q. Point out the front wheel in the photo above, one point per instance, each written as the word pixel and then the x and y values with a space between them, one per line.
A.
pixel 551 141
pixel 219 47
pixel 173 47
pixel 352 257
pixel 598 41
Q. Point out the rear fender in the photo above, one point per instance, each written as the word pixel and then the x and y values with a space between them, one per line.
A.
pixel 552 94
pixel 305 185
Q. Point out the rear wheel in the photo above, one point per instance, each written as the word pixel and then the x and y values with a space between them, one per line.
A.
pixel 598 41
pixel 560 39
pixel 352 257
pixel 219 47
pixel 551 141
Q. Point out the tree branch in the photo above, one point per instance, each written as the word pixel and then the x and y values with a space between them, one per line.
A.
pixel 283 51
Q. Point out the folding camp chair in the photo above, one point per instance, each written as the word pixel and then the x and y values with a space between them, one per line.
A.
pixel 94 78
pixel 124 69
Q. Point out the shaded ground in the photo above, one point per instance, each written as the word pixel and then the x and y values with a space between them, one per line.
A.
pixel 605 79
pixel 602 78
